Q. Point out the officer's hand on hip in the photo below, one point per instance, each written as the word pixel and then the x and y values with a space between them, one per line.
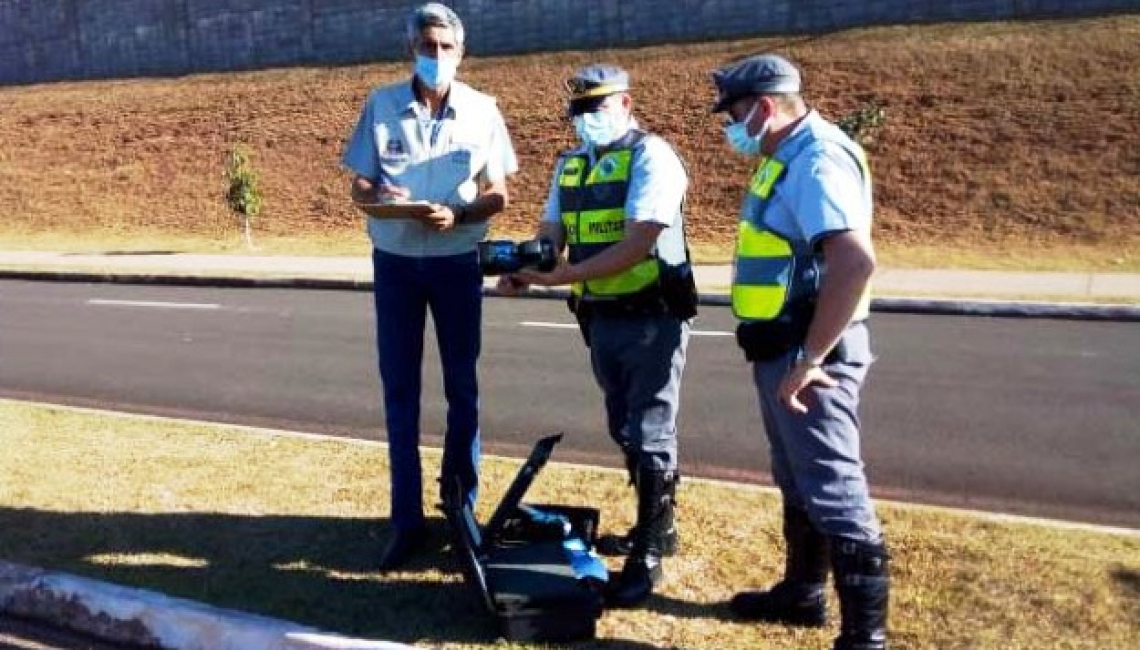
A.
pixel 798 378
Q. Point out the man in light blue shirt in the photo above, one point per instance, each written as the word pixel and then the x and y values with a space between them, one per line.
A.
pixel 617 203
pixel 439 149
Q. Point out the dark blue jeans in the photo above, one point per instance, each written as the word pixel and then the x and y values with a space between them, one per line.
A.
pixel 405 288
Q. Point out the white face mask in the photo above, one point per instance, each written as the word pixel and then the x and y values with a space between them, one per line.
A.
pixel 738 137
pixel 436 73
pixel 600 128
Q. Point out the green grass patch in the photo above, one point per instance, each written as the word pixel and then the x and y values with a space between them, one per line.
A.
pixel 291 526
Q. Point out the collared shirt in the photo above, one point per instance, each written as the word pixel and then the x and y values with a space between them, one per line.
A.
pixel 825 191
pixel 440 158
pixel 657 186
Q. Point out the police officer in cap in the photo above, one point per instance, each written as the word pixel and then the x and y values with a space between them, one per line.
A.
pixel 800 292
pixel 616 202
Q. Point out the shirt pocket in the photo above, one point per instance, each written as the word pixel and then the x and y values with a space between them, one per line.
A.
pixel 392 150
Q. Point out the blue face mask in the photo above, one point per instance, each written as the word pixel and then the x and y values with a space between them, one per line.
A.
pixel 739 139
pixel 436 73
pixel 599 128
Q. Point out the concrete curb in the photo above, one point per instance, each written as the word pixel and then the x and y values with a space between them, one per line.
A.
pixel 146 618
pixel 1006 309
pixel 897 305
pixel 990 308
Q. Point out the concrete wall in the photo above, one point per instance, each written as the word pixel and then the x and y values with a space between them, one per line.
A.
pixel 45 40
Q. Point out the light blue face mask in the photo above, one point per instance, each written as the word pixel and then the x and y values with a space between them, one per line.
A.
pixel 739 139
pixel 436 73
pixel 599 128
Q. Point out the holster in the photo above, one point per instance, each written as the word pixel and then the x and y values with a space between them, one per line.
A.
pixel 679 291
pixel 771 339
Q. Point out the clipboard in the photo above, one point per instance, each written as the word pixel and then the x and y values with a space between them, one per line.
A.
pixel 396 209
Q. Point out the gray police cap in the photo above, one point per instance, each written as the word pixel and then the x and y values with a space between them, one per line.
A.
pixel 597 79
pixel 590 86
pixel 756 75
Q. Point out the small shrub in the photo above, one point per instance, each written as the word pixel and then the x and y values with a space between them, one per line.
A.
pixel 243 195
pixel 862 123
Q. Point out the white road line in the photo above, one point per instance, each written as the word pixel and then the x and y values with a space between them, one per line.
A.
pixel 557 326
pixel 566 326
pixel 157 305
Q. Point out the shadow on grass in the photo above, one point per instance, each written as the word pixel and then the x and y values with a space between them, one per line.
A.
pixel 1130 580
pixel 669 606
pixel 318 571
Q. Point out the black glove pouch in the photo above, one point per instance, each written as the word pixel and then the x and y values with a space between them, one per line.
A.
pixel 679 291
pixel 767 340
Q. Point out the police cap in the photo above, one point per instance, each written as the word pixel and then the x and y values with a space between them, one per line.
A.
pixel 756 75
pixel 590 86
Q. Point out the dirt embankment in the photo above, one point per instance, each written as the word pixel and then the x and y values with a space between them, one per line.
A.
pixel 994 133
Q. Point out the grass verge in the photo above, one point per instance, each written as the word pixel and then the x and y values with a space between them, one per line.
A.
pixel 290 526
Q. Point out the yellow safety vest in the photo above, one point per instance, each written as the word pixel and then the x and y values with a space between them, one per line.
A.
pixel 765 262
pixel 592 201
pixel 769 269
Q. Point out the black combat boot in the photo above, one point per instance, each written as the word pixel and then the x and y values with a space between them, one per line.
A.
pixel 643 570
pixel 800 597
pixel 618 545
pixel 862 580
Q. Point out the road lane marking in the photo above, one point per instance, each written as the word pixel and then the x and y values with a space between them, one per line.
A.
pixel 155 305
pixel 557 326
pixel 567 326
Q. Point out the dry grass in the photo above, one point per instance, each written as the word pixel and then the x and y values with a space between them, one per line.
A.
pixel 1001 137
pixel 290 527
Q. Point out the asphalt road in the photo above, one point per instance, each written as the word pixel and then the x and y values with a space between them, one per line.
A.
pixel 1028 416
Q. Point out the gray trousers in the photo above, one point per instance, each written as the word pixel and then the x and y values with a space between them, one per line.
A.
pixel 815 456
pixel 637 362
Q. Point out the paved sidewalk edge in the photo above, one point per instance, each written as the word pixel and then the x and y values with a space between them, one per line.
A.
pixel 899 305
pixel 203 280
pixel 146 618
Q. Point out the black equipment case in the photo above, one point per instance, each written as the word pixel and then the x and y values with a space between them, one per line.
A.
pixel 532 565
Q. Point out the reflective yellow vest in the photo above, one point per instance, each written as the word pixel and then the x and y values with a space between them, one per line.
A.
pixel 770 269
pixel 592 200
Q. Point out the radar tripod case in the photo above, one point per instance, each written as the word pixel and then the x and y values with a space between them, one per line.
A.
pixel 533 566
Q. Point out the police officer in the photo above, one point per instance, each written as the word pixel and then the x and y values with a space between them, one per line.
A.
pixel 616 202
pixel 801 294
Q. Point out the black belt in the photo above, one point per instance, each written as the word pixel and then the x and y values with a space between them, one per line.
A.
pixel 626 307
